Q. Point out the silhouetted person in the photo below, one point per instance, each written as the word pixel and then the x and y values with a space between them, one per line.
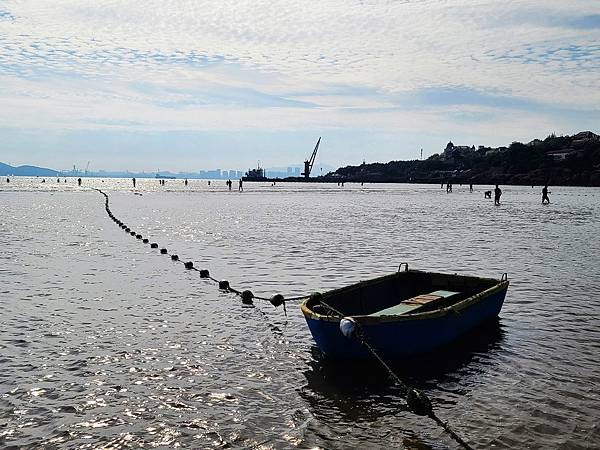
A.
pixel 545 193
pixel 79 181
pixel 209 182
pixel 497 195
pixel 448 188
pixel 58 180
pixel 241 186
pixel 7 180
pixel 185 182
pixel 229 183
pixel 471 187
pixel 133 179
pixel 442 186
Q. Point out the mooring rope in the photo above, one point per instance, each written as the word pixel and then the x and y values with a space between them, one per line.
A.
pixel 417 400
pixel 247 296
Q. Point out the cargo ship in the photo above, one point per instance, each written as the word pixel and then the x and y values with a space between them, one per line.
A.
pixel 257 174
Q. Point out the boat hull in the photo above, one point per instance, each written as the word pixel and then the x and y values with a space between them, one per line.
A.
pixel 403 336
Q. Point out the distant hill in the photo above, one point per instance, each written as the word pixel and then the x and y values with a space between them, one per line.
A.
pixel 558 160
pixel 26 171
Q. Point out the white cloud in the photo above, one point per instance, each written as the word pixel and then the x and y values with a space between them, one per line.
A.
pixel 76 64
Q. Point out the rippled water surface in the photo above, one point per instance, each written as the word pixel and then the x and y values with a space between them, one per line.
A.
pixel 106 342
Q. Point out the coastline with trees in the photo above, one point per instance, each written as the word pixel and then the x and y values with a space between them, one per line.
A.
pixel 558 160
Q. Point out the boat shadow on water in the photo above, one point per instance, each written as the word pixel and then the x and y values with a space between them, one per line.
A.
pixel 343 385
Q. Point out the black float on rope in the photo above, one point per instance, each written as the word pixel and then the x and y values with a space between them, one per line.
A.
pixel 247 297
pixel 132 233
pixel 188 264
pixel 418 402
pixel 138 236
pixel 224 285
pixel 277 300
pixel 127 229
pixel 204 273
pixel 163 251
pixel 154 245
pixel 145 241
pixel 175 257
pixel 316 297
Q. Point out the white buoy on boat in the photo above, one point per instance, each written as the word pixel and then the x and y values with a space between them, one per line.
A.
pixel 348 327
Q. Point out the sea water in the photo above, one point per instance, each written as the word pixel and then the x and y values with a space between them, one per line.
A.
pixel 106 342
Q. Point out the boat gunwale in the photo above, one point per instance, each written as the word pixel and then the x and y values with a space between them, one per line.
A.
pixel 499 286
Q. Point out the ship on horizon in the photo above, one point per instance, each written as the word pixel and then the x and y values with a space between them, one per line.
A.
pixel 257 174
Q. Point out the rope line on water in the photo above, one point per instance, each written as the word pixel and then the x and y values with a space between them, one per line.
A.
pixel 247 296
pixel 417 400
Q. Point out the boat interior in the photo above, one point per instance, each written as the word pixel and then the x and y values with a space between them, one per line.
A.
pixel 404 292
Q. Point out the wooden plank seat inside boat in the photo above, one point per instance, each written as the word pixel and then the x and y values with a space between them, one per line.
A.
pixel 413 304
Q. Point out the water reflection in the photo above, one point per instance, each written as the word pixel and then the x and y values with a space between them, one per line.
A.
pixel 342 385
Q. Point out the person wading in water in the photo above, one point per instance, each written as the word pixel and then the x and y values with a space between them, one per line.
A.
pixel 545 199
pixel 497 195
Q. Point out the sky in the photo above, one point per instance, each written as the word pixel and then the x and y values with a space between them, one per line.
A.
pixel 188 85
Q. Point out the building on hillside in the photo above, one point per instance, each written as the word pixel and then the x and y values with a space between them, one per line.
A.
pixel 562 154
pixel 452 150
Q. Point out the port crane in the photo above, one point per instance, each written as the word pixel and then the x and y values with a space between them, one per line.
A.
pixel 308 164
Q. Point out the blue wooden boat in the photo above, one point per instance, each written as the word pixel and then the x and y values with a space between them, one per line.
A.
pixel 402 314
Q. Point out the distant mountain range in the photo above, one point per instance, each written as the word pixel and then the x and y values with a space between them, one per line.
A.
pixel 26 171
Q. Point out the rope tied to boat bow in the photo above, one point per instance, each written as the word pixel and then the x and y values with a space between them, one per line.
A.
pixel 416 400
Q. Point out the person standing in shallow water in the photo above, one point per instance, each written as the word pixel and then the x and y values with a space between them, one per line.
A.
pixel 133 179
pixel 79 181
pixel 241 186
pixel 497 195
pixel 545 199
